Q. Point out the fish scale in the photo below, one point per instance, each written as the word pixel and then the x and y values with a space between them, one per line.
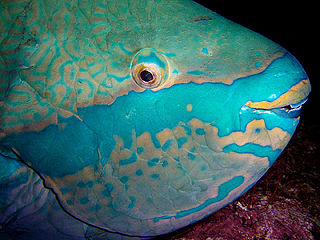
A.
pixel 131 119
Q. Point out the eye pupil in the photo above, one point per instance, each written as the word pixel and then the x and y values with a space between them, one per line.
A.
pixel 146 76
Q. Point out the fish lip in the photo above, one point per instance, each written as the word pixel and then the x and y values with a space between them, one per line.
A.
pixel 289 104
pixel 292 110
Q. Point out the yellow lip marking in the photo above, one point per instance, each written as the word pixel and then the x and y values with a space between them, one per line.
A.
pixel 295 94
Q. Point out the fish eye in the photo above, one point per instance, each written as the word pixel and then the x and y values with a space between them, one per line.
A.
pixel 147 75
pixel 149 68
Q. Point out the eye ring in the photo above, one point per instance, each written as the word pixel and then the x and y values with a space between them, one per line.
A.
pixel 149 68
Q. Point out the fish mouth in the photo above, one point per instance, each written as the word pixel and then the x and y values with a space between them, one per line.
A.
pixel 288 111
pixel 288 105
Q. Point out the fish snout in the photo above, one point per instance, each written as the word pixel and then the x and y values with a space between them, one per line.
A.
pixel 283 88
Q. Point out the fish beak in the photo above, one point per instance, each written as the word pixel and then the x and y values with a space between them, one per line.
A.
pixel 288 104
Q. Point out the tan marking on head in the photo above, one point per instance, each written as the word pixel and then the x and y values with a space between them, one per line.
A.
pixel 189 107
pixel 150 151
pixel 229 79
pixel 276 137
pixel 164 135
pixel 295 94
pixel 221 167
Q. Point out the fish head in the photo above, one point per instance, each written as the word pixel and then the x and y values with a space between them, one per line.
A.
pixel 213 105
pixel 147 118
pixel 226 76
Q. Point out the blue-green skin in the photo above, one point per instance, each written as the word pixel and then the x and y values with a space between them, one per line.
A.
pixel 83 151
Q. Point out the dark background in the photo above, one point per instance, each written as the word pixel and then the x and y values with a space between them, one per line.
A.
pixel 294 25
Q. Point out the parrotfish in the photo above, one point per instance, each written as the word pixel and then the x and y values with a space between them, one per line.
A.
pixel 126 119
